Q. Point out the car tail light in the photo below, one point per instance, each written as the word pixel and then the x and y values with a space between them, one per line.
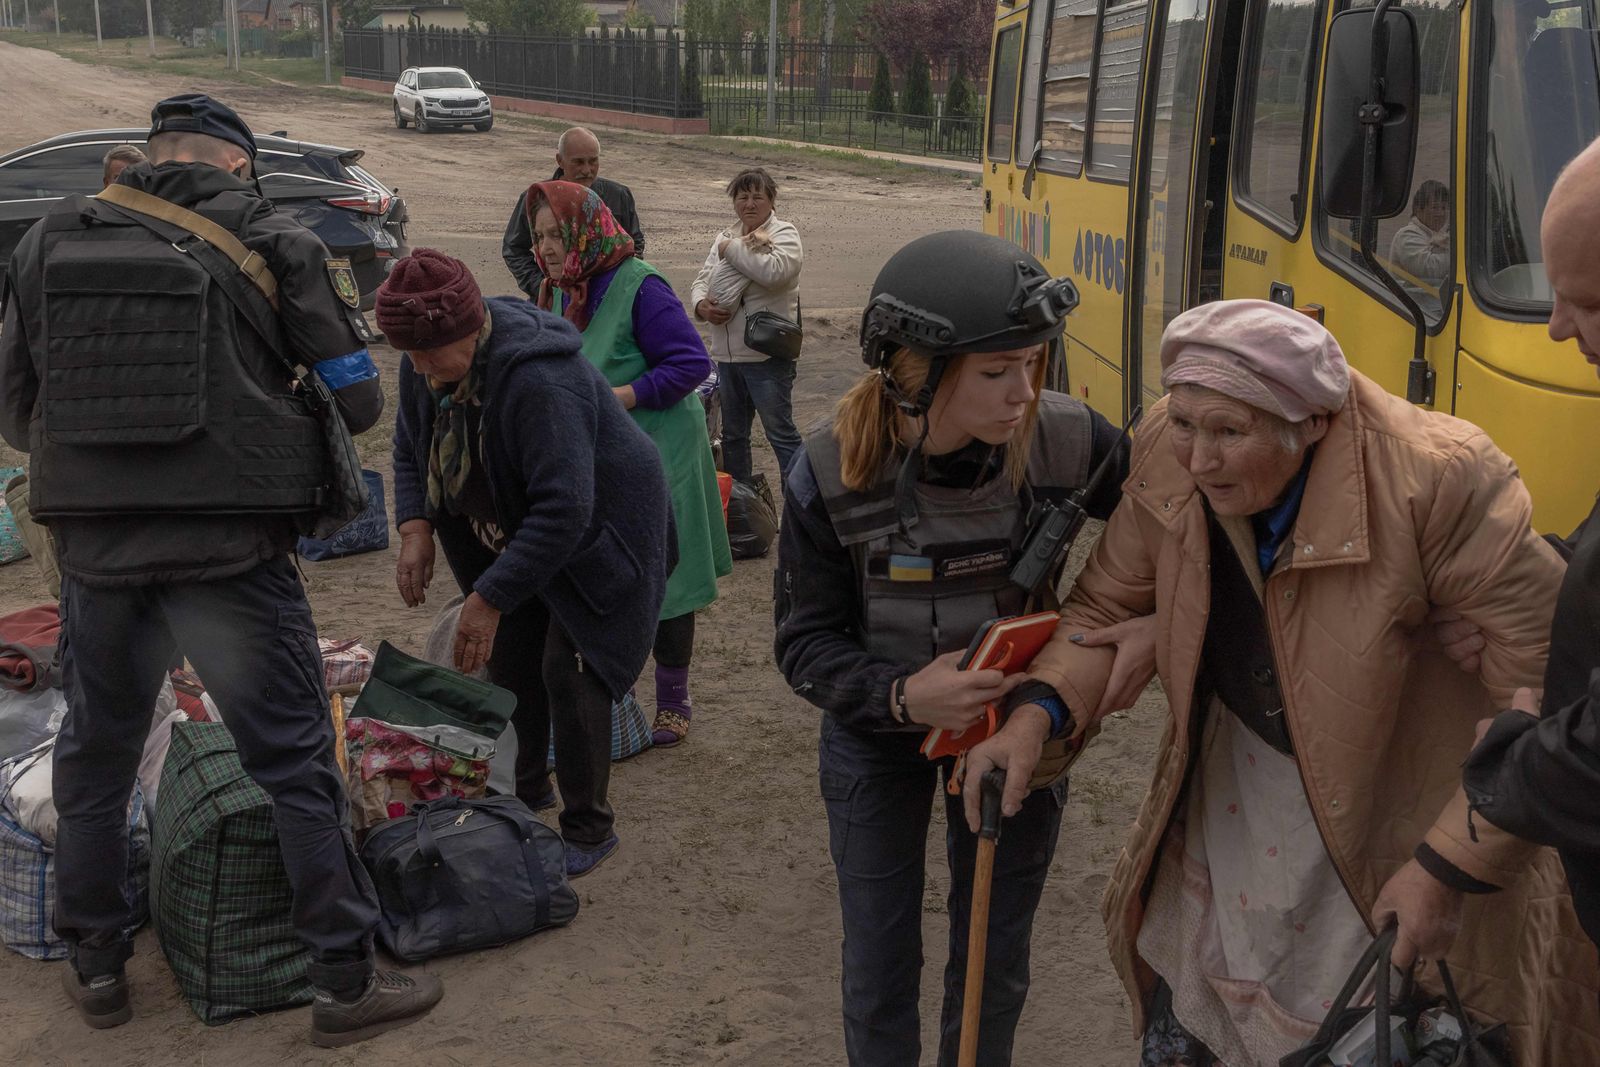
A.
pixel 373 203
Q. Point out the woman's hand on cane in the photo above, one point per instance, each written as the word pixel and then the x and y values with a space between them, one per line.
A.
pixel 941 696
pixel 1015 750
pixel 414 570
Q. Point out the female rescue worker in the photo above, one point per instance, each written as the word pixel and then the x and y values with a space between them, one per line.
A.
pixel 904 518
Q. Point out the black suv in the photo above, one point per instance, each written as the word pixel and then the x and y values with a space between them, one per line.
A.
pixel 355 214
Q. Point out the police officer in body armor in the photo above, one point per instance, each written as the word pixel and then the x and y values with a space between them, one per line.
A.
pixel 174 464
pixel 904 518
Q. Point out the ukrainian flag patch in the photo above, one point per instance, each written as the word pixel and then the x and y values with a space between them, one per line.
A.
pixel 910 568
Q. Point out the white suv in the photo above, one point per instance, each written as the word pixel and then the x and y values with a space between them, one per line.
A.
pixel 434 97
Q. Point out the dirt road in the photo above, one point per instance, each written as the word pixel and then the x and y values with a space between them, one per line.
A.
pixel 713 936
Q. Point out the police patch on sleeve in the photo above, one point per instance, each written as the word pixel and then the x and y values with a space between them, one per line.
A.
pixel 343 278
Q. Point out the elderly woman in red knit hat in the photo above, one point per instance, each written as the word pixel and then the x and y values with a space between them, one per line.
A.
pixel 1290 523
pixel 551 507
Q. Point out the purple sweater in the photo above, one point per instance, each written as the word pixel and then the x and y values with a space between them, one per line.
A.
pixel 672 348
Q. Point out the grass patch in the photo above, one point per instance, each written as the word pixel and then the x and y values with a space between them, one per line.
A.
pixel 133 53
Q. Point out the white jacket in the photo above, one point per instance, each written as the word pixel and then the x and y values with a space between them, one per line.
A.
pixel 774 284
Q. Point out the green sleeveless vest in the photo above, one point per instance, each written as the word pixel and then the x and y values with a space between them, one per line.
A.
pixel 679 433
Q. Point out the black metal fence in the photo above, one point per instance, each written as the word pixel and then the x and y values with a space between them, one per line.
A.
pixel 823 92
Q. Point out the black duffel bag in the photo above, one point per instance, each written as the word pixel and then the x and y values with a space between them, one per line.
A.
pixel 456 875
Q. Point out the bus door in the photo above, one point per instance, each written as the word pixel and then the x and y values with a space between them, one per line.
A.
pixel 1282 247
pixel 1178 218
pixel 1535 92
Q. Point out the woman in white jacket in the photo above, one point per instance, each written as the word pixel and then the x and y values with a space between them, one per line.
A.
pixel 754 265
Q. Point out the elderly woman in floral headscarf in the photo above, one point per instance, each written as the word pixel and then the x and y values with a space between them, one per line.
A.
pixel 1290 523
pixel 636 333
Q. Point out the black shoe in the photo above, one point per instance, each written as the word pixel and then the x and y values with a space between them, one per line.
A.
pixel 391 1000
pixel 102 1000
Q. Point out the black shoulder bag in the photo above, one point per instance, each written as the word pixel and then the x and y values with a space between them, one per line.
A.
pixel 773 335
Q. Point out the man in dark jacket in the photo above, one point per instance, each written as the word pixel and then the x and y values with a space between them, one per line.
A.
pixel 172 466
pixel 552 509
pixel 1540 777
pixel 577 160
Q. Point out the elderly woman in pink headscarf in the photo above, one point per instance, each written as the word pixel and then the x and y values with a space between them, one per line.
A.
pixel 1291 525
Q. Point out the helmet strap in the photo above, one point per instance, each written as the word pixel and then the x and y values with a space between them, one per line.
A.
pixel 905 484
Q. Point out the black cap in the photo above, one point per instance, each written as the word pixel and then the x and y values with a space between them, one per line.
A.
pixel 962 291
pixel 198 113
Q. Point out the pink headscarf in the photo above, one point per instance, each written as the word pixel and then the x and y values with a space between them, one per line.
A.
pixel 1264 354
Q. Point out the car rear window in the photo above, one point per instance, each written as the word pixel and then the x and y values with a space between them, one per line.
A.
pixel 312 165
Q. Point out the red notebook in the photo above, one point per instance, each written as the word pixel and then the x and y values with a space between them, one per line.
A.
pixel 1007 645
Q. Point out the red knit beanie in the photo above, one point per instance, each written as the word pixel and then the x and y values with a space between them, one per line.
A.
pixel 428 301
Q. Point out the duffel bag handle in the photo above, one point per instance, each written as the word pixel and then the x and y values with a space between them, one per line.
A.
pixel 428 844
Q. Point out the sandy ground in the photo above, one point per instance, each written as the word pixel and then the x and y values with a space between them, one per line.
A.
pixel 713 936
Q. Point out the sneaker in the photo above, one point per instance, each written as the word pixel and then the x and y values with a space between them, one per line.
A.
pixel 580 861
pixel 544 803
pixel 391 1000
pixel 102 1000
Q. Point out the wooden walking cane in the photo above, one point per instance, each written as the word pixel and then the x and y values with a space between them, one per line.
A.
pixel 990 788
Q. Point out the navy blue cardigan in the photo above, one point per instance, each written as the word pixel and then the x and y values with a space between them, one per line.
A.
pixel 577 486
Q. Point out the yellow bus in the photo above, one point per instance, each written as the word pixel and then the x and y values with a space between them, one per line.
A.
pixel 1163 153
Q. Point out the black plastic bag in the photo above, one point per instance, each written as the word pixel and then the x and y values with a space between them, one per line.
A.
pixel 752 521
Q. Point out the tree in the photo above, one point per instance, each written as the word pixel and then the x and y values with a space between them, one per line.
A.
pixel 937 29
pixel 354 14
pixel 649 86
pixel 916 101
pixel 758 54
pixel 528 16
pixel 824 88
pixel 959 99
pixel 880 101
pixel 634 19
pixel 185 16
pixel 690 93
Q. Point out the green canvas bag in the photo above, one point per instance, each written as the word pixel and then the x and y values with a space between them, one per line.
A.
pixel 219 893
pixel 410 692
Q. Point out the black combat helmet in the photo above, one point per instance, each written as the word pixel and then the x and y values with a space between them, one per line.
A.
pixel 959 291
pixel 948 294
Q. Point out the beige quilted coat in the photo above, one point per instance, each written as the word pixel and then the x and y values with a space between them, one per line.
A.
pixel 1404 508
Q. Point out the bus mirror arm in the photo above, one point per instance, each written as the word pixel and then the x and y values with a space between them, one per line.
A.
pixel 1419 376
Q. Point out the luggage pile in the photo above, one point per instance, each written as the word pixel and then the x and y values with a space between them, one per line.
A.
pixel 32 708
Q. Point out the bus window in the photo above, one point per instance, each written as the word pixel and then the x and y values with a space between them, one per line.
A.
pixel 1065 112
pixel 1273 129
pixel 1116 91
pixel 1543 107
pixel 1179 80
pixel 1003 93
pixel 1417 245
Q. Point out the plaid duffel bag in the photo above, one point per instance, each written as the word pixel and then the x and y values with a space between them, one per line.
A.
pixel 28 884
pixel 220 896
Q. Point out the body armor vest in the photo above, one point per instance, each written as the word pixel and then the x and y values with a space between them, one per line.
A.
pixel 926 591
pixel 154 397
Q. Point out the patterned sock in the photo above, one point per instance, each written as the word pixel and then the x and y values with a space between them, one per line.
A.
pixel 672 690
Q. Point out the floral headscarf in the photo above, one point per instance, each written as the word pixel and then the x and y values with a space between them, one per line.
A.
pixel 594 241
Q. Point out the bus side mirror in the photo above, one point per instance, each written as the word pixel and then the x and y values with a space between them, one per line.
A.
pixel 1350 106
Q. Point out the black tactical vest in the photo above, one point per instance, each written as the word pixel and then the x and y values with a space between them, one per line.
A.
pixel 155 395
pixel 926 591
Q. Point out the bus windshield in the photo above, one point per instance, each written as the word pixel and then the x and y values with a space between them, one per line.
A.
pixel 1543 96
